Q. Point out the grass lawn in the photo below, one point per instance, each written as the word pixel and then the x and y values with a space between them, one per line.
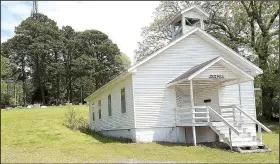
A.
pixel 38 135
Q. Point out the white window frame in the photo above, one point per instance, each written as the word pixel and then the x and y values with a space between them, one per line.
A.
pixel 123 101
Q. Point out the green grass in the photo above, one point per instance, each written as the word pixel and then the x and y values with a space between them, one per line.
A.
pixel 38 135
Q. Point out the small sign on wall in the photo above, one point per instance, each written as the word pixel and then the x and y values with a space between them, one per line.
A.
pixel 207 101
pixel 216 77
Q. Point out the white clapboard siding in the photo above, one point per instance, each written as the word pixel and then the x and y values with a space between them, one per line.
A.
pixel 153 100
pixel 202 93
pixel 230 95
pixel 248 102
pixel 218 70
pixel 203 134
pixel 118 120
pixel 91 116
pixel 183 96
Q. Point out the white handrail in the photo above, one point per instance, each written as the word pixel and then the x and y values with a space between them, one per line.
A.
pixel 225 121
pixel 253 119
pixel 183 112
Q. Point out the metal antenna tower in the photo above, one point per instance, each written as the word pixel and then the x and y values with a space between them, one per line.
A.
pixel 35 8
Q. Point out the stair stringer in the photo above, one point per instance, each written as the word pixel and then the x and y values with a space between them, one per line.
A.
pixel 244 139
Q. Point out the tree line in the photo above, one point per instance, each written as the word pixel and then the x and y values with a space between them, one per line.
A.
pixel 250 28
pixel 45 64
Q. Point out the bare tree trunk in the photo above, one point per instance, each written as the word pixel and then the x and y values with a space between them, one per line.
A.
pixel 58 89
pixel 23 82
pixel 70 78
pixel 70 88
pixel 42 92
pixel 24 92
pixel 57 81
pixel 15 93
pixel 67 85
pixel 39 78
pixel 81 93
pixel 7 91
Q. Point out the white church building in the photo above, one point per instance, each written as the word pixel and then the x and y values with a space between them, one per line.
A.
pixel 193 90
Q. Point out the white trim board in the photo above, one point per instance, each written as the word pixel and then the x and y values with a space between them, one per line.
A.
pixel 205 67
pixel 215 61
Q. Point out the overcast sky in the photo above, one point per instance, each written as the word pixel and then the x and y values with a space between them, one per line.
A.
pixel 121 21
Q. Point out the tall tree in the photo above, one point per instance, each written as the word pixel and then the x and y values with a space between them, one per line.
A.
pixel 69 53
pixel 97 46
pixel 6 70
pixel 42 33
pixel 15 49
pixel 58 65
pixel 6 67
pixel 266 16
pixel 124 59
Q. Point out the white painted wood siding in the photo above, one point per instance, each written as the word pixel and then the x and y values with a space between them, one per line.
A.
pixel 91 116
pixel 248 103
pixel 218 70
pixel 183 97
pixel 203 134
pixel 118 120
pixel 202 93
pixel 154 102
pixel 229 95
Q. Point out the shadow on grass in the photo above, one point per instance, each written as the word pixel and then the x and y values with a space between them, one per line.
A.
pixel 214 145
pixel 104 139
pixel 107 139
pixel 272 125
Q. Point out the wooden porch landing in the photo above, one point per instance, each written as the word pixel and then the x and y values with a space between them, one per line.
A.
pixel 193 124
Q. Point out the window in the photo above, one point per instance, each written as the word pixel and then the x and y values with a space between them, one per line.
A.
pixel 123 105
pixel 109 105
pixel 99 108
pixel 91 107
pixel 193 22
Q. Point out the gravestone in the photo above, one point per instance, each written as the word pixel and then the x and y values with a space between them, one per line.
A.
pixel 36 105
pixel 29 106
pixel 19 107
pixel 43 106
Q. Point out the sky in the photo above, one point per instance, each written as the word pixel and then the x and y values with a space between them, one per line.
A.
pixel 120 20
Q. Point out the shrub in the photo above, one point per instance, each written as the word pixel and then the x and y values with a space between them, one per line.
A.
pixel 74 121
